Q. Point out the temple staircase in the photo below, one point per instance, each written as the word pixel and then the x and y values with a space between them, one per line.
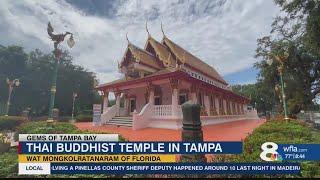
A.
pixel 121 121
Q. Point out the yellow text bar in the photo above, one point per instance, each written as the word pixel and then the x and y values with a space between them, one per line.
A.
pixel 152 158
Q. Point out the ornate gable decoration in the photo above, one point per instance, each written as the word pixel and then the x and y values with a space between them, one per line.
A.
pixel 139 56
pixel 187 58
pixel 162 52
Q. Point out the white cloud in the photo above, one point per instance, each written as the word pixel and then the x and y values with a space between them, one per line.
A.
pixel 222 33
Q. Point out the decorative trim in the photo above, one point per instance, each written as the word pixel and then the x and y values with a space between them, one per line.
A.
pixel 181 91
pixel 174 83
pixel 181 76
pixel 117 93
pixel 150 86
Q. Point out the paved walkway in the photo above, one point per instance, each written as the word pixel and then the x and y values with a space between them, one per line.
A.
pixel 232 131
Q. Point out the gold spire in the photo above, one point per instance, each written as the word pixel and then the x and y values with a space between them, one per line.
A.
pixel 147 29
pixel 162 30
pixel 127 38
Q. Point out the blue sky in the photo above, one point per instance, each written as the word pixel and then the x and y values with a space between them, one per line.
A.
pixel 245 76
pixel 222 33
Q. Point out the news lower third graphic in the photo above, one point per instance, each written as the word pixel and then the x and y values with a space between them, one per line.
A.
pixel 105 154
pixel 280 152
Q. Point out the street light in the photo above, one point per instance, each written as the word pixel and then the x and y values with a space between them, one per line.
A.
pixel 74 96
pixel 57 39
pixel 281 60
pixel 11 84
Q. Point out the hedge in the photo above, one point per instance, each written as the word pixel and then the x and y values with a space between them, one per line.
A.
pixel 84 118
pixel 10 122
pixel 42 127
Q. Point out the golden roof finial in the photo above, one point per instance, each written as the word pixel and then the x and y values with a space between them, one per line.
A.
pixel 127 38
pixel 147 28
pixel 162 30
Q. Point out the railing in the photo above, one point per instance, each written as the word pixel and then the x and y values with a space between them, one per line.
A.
pixel 123 111
pixel 220 117
pixel 109 114
pixel 162 111
pixel 179 111
pixel 142 119
pixel 165 111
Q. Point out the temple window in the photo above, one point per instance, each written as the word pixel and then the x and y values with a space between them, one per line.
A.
pixel 157 100
pixel 132 104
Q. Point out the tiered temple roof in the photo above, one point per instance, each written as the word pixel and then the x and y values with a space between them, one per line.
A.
pixel 162 57
pixel 185 57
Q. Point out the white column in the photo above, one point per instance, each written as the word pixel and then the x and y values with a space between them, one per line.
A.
pixel 231 108
pixel 117 95
pixel 216 99
pixel 193 94
pixel 236 108
pixel 225 106
pixel 126 104
pixel 105 101
pixel 194 98
pixel 244 107
pixel 207 104
pixel 174 104
pixel 151 97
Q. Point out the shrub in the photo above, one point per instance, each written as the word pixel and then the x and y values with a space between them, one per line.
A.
pixel 42 127
pixel 9 163
pixel 84 118
pixel 64 118
pixel 86 112
pixel 10 122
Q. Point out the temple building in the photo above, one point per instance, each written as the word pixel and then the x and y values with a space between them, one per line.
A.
pixel 158 79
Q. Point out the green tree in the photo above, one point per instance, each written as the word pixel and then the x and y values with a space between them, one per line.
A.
pixel 35 70
pixel 261 98
pixel 294 32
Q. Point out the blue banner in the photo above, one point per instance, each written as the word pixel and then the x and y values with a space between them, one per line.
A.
pixel 299 151
pixel 130 147
pixel 175 168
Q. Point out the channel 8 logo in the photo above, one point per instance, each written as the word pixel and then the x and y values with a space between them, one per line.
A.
pixel 269 152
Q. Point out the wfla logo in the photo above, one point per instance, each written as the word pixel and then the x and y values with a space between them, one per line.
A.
pixel 269 152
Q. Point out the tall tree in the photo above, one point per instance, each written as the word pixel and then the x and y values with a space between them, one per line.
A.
pixel 35 70
pixel 296 33
pixel 261 97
